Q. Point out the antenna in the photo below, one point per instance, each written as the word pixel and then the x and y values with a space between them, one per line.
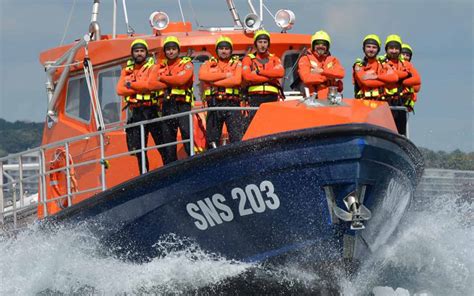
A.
pixel 181 10
pixel 130 30
pixel 114 20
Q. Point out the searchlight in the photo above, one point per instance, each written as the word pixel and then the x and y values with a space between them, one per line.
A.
pixel 159 20
pixel 285 19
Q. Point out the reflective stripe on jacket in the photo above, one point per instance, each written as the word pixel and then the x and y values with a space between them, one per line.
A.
pixel 178 76
pixel 262 73
pixel 372 88
pixel 137 77
pixel 221 78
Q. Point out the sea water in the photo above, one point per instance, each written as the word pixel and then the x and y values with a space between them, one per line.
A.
pixel 431 255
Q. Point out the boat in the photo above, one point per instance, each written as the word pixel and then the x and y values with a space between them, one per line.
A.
pixel 328 183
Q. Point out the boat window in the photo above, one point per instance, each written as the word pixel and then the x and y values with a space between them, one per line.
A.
pixel 78 99
pixel 198 60
pixel 110 102
pixel 291 81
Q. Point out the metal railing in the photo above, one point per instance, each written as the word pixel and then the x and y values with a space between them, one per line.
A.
pixel 43 172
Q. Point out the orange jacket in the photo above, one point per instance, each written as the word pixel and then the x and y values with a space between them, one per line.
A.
pixel 320 81
pixel 413 84
pixel 221 74
pixel 414 80
pixel 262 69
pixel 371 76
pixel 178 73
pixel 407 76
pixel 154 79
pixel 138 76
pixel 176 77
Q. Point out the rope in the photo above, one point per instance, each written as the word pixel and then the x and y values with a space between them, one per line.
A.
pixel 264 6
pixel 68 22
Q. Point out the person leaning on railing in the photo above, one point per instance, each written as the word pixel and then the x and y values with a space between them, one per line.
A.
pixel 369 74
pixel 141 102
pixel 176 75
pixel 261 71
pixel 408 77
pixel 318 69
pixel 221 78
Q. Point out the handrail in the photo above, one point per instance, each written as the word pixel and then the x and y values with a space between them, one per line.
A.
pixel 43 171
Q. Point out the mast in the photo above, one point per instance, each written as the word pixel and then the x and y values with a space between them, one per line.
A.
pixel 94 27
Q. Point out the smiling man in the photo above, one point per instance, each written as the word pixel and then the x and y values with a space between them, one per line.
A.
pixel 370 75
pixel 399 93
pixel 133 86
pixel 261 71
pixel 173 79
pixel 318 69
pixel 221 78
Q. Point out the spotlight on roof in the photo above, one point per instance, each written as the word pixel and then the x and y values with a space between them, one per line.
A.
pixel 159 20
pixel 285 19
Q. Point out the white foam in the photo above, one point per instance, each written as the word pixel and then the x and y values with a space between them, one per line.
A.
pixel 432 255
pixel 69 260
pixel 432 252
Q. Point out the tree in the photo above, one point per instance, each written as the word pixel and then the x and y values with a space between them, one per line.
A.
pixel 19 136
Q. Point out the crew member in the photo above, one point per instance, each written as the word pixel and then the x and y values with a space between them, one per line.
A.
pixel 318 69
pixel 261 71
pixel 407 54
pixel 369 75
pixel 141 102
pixel 408 77
pixel 173 78
pixel 222 77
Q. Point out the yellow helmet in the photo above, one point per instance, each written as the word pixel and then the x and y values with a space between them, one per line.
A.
pixel 139 43
pixel 224 39
pixel 321 35
pixel 261 34
pixel 171 39
pixel 393 38
pixel 407 48
pixel 371 37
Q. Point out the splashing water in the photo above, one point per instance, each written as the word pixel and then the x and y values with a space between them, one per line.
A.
pixel 69 260
pixel 431 252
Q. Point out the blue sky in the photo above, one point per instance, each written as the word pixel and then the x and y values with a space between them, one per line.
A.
pixel 440 32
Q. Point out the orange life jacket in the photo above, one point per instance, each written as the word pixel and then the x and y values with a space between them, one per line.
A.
pixel 262 73
pixel 331 75
pixel 173 74
pixel 221 79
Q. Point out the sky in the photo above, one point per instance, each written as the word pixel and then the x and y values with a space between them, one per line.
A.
pixel 440 33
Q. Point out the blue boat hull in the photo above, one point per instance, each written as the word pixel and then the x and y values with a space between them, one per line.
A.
pixel 265 198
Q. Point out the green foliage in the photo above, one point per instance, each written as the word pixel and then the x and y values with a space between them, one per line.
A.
pixel 19 136
pixel 455 160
